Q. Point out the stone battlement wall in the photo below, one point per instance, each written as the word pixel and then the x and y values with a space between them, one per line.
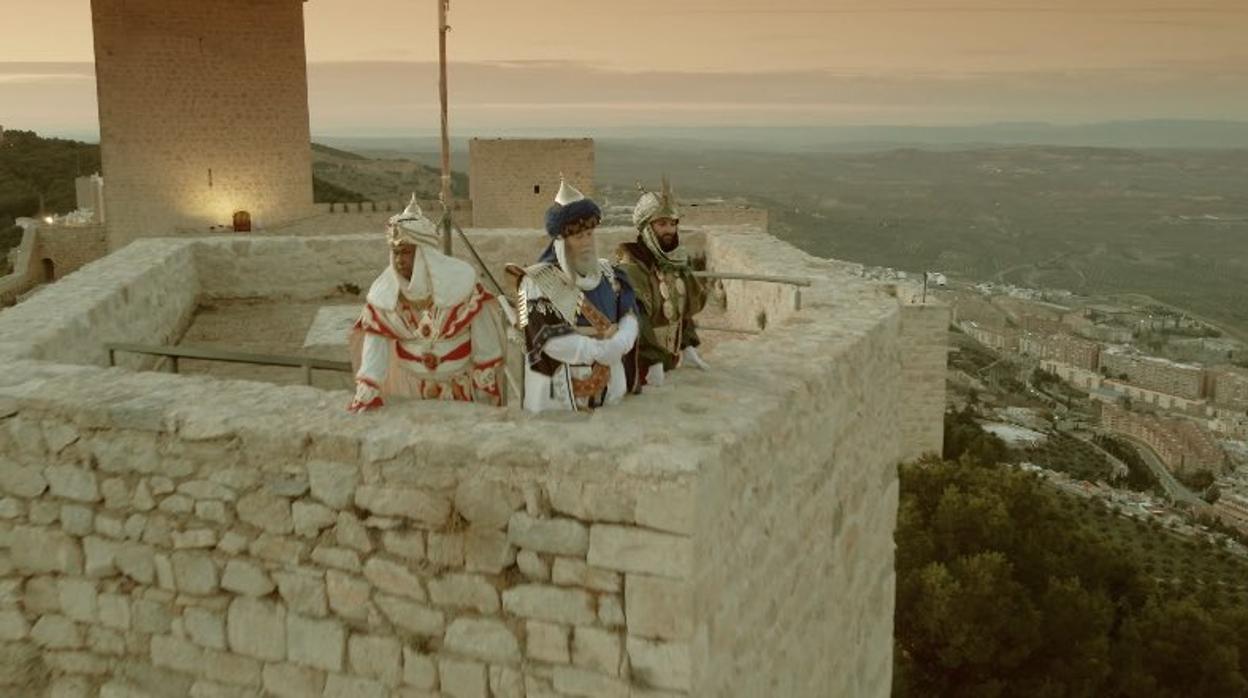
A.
pixel 729 533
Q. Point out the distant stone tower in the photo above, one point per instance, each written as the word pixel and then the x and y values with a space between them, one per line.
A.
pixel 512 181
pixel 203 112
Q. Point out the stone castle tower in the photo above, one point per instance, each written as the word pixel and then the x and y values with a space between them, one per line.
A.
pixel 512 181
pixel 203 112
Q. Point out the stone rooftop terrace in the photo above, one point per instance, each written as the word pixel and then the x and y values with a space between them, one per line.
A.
pixel 727 534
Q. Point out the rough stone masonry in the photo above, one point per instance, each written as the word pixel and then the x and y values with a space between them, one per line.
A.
pixel 728 534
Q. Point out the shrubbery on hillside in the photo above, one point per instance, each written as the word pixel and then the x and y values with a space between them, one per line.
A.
pixel 1006 588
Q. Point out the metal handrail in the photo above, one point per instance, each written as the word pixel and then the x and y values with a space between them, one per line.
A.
pixel 307 363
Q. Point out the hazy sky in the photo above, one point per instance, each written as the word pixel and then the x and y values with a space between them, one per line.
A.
pixel 690 62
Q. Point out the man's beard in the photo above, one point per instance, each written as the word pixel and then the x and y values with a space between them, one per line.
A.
pixel 669 243
pixel 585 263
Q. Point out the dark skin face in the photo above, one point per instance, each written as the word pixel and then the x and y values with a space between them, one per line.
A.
pixel 667 230
pixel 405 260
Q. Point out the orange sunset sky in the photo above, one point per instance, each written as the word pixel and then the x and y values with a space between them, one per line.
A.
pixel 713 62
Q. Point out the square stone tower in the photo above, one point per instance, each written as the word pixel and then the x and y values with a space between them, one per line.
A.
pixel 512 181
pixel 203 112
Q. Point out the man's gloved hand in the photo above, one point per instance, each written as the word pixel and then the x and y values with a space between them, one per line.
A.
pixel 690 356
pixel 367 397
pixel 654 375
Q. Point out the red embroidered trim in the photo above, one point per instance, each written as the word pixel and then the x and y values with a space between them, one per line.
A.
pixel 465 312
pixel 431 361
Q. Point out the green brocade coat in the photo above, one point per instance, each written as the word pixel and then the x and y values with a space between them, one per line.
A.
pixel 669 296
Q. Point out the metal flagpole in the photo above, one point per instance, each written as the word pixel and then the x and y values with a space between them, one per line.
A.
pixel 443 8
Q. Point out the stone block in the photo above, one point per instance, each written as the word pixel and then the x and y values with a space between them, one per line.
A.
pixel 506 682
pixel 109 526
pixel 78 599
pixel 274 548
pixel 214 511
pixel 571 681
pixel 393 578
pixel 206 489
pixel 659 607
pixel 555 604
pixel 150 617
pixel 267 512
pixel 533 566
pixel 376 657
pixel 71 482
pixel 77 520
pixel 56 632
pixel 291 485
pixel 303 592
pixel 338 558
pixel 99 556
pixel 464 591
pixel 205 627
pixel 351 533
pixel 339 686
pixel 670 509
pixel 660 664
pixel 333 483
pixel 316 643
pixel 194 573
pixel 234 669
pixel 194 538
pixel 142 499
pixel 611 611
pixel 203 688
pixel 136 561
pixel 409 545
pixel 310 518
pixel 134 526
pixel 178 654
pixel 44 512
pixel 25 481
pixel 247 578
pixel 597 650
pixel 419 670
pixel 292 681
pixel 348 595
pixel 42 595
pixel 76 662
pixel 446 549
pixel 13 625
pixel 629 549
pixel 463 679
pixel 414 618
pixel 488 551
pixel 106 642
pixel 38 550
pixel 569 571
pixel 71 687
pixel 425 507
pixel 592 502
pixel 12 508
pixel 177 505
pixel 557 536
pixel 257 628
pixel 547 642
pixel 487 505
pixel 114 610
pixel 486 639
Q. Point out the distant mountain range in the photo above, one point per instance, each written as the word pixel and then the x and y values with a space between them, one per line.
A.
pixel 1157 133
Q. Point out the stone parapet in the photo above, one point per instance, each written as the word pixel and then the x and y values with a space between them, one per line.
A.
pixel 729 533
